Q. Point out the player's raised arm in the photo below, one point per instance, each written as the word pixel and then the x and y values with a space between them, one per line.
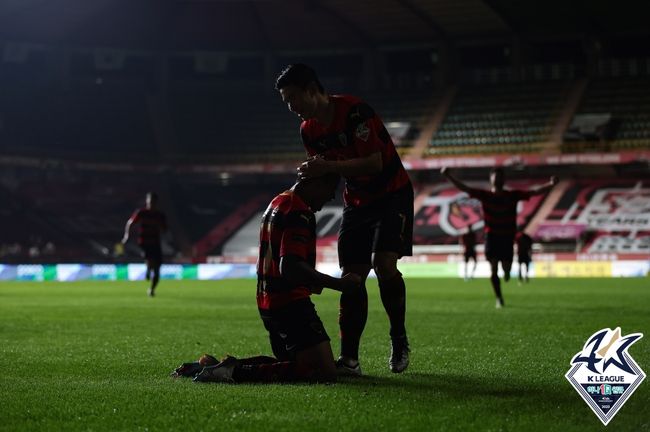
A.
pixel 299 272
pixel 459 185
pixel 544 188
pixel 127 231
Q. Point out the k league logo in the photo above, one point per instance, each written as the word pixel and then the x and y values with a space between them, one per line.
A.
pixel 604 373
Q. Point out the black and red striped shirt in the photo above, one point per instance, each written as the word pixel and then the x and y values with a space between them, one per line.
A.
pixel 524 244
pixel 356 132
pixel 469 241
pixel 152 224
pixel 500 209
pixel 288 228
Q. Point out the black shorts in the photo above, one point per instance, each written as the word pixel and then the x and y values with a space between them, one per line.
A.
pixel 524 259
pixel 385 225
pixel 152 252
pixel 293 328
pixel 499 247
pixel 469 255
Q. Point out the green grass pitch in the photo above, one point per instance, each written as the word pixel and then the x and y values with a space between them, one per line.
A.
pixel 96 356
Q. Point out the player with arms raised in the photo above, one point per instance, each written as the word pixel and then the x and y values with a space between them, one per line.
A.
pixel 500 215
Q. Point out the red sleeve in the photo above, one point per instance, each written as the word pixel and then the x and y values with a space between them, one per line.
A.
pixel 135 217
pixel 298 236
pixel 366 137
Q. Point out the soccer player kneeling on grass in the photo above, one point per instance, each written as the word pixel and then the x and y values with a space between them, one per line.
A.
pixel 286 278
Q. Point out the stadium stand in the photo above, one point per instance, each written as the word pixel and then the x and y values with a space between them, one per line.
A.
pixel 499 118
pixel 625 101
pixel 220 111
pixel 211 211
pixel 84 120
pixel 403 113
pixel 82 212
pixel 222 126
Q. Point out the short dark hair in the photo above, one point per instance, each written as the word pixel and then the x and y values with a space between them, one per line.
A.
pixel 300 75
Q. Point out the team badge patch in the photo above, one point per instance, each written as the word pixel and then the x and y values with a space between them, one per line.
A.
pixel 604 373
pixel 363 132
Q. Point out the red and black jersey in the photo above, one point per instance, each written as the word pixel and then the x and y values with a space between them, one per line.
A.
pixel 469 241
pixel 152 224
pixel 356 132
pixel 500 209
pixel 288 228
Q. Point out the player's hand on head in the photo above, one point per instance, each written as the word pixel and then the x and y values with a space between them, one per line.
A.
pixel 350 281
pixel 554 180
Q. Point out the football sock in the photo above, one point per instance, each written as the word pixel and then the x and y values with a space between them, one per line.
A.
pixel 393 297
pixel 353 314
pixel 496 285
pixel 155 279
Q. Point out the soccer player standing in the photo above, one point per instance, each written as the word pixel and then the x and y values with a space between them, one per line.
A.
pixel 500 215
pixel 468 240
pixel 524 254
pixel 343 135
pixel 152 224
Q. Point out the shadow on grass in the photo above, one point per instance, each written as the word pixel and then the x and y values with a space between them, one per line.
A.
pixel 462 386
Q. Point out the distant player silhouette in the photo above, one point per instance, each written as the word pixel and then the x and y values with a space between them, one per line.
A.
pixel 524 254
pixel 152 224
pixel 468 240
pixel 500 215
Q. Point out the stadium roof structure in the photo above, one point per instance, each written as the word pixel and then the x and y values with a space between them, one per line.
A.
pixel 305 24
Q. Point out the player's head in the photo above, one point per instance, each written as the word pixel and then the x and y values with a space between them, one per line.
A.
pixel 497 178
pixel 300 89
pixel 152 200
pixel 316 191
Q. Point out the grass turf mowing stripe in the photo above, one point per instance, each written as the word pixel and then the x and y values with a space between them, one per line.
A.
pixel 96 355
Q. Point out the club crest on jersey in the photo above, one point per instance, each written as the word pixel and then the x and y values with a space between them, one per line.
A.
pixel 363 132
pixel 604 374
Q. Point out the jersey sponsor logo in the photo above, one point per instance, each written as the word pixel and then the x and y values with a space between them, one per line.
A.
pixel 604 374
pixel 362 132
